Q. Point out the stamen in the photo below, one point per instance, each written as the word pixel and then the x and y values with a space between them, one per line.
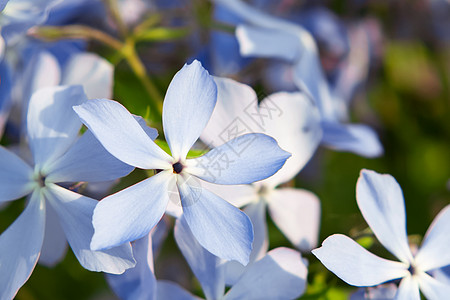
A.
pixel 177 167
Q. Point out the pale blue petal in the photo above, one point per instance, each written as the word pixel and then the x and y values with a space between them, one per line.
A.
pixel 296 212
pixel 294 122
pixel 75 214
pixel 188 105
pixel 121 134
pixel 238 195
pixel 380 200
pixel 204 265
pixel 245 159
pixel 170 291
pixel 281 274
pixel 41 71
pixel 54 247
pixel 139 282
pixel 356 138
pixel 408 289
pixel 151 132
pixel 15 176
pixel 93 72
pixel 268 42
pixel 432 288
pixel 87 160
pixel 256 211
pixel 5 90
pixel 52 125
pixel 234 114
pixel 20 246
pixel 434 252
pixel 355 265
pixel 219 227
pixel 131 213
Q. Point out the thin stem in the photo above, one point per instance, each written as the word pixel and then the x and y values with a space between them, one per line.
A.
pixel 115 14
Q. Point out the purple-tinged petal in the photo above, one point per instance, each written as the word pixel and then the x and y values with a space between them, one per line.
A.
pixel 16 176
pixel 355 265
pixel 382 292
pixel 297 213
pixel 52 125
pixel 75 214
pixel 380 200
pixel 281 274
pixel 121 134
pixel 356 138
pixel 238 195
pixel 205 266
pixel 408 289
pixel 245 159
pixel 20 246
pixel 131 213
pixel 187 108
pixel 86 160
pixel 219 227
pixel 91 71
pixel 434 252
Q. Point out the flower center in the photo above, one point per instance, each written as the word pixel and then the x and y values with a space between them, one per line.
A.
pixel 412 269
pixel 177 167
pixel 41 180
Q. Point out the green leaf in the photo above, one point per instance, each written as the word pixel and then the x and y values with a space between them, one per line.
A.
pixel 161 34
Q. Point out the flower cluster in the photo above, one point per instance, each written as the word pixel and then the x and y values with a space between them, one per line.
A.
pixel 203 167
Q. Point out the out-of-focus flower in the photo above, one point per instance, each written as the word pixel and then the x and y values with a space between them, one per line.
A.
pixel 55 215
pixel 381 202
pixel 294 122
pixel 131 213
pixel 265 36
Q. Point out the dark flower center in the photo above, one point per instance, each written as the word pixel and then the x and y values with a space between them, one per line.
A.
pixel 412 269
pixel 177 167
pixel 41 180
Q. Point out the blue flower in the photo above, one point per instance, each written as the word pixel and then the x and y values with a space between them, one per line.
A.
pixel 380 200
pixel 130 214
pixel 54 214
pixel 266 36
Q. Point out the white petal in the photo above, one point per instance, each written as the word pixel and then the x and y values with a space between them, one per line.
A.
pixel 235 113
pixel 356 138
pixel 296 127
pixel 87 160
pixel 408 289
pixel 54 247
pixel 268 42
pixel 41 71
pixel 20 246
pixel 281 274
pixel 121 134
pixel 434 252
pixel 238 195
pixel 187 108
pixel 204 265
pixel 245 159
pixel 75 214
pixel 354 264
pixel 51 123
pixel 131 213
pixel 91 71
pixel 15 176
pixel 221 228
pixel 380 200
pixel 138 282
pixel 297 213
pixel 432 288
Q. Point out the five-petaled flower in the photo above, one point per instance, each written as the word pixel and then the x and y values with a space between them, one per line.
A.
pixel 380 200
pixel 220 227
pixel 55 214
